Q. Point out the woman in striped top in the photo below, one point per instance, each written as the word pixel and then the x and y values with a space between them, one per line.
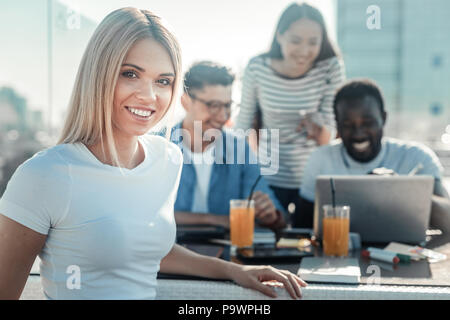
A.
pixel 291 87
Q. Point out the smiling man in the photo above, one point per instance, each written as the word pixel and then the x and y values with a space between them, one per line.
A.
pixel 360 116
pixel 216 169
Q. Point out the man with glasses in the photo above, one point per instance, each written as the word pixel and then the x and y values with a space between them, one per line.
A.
pixel 215 168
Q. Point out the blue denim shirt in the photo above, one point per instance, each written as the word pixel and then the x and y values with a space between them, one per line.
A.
pixel 232 175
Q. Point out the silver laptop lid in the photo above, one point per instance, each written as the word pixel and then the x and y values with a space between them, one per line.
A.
pixel 382 208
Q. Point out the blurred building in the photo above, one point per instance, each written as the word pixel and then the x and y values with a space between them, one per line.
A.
pixel 70 33
pixel 43 44
pixel 9 116
pixel 407 54
pixel 13 109
pixel 45 40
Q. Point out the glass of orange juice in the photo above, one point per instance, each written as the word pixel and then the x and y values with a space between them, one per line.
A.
pixel 336 228
pixel 242 222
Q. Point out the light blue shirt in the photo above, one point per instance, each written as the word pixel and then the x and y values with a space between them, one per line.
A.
pixel 230 178
pixel 397 155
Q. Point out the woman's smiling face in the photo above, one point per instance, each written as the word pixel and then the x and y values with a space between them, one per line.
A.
pixel 144 89
pixel 301 43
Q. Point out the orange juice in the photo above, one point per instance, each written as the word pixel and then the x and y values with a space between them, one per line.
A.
pixel 242 225
pixel 335 235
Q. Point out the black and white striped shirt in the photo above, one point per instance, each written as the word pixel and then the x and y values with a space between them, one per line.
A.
pixel 281 101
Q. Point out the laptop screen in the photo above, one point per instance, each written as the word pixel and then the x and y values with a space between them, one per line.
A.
pixel 382 208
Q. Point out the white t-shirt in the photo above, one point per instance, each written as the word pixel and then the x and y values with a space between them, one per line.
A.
pixel 107 228
pixel 203 163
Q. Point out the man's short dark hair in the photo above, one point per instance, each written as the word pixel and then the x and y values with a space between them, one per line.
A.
pixel 358 89
pixel 207 73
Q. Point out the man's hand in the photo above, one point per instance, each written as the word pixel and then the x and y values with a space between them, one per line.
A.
pixel 265 210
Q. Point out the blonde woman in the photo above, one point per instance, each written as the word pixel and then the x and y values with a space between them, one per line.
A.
pixel 101 201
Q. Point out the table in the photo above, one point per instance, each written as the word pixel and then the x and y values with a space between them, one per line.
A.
pixel 415 281
pixel 222 290
pixel 173 289
pixel 420 281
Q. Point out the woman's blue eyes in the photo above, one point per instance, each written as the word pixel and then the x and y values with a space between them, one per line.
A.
pixel 133 75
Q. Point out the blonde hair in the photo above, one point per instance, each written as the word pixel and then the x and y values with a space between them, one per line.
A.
pixel 91 104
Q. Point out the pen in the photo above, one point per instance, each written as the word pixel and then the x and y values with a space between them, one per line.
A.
pixel 402 257
pixel 382 255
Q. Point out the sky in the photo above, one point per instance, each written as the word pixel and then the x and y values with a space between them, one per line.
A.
pixel 229 32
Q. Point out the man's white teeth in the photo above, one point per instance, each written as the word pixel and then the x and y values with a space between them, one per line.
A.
pixel 361 146
pixel 139 112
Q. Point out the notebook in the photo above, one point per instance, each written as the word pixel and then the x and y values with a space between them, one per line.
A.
pixel 264 237
pixel 329 269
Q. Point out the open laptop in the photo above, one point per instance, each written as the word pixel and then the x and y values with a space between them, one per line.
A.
pixel 382 208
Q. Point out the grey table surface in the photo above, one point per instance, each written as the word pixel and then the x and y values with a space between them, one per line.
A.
pixel 417 280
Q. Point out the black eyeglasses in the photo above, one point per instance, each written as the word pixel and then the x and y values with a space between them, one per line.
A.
pixel 214 106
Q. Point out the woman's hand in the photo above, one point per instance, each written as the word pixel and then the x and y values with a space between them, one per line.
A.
pixel 314 130
pixel 261 278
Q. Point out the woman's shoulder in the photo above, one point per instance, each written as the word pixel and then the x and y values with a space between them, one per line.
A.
pixel 258 61
pixel 45 167
pixel 48 158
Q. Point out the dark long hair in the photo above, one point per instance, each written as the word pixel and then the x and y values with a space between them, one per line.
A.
pixel 293 13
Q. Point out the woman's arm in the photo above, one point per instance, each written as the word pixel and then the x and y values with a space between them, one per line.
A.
pixel 321 134
pixel 324 130
pixel 183 261
pixel 19 247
